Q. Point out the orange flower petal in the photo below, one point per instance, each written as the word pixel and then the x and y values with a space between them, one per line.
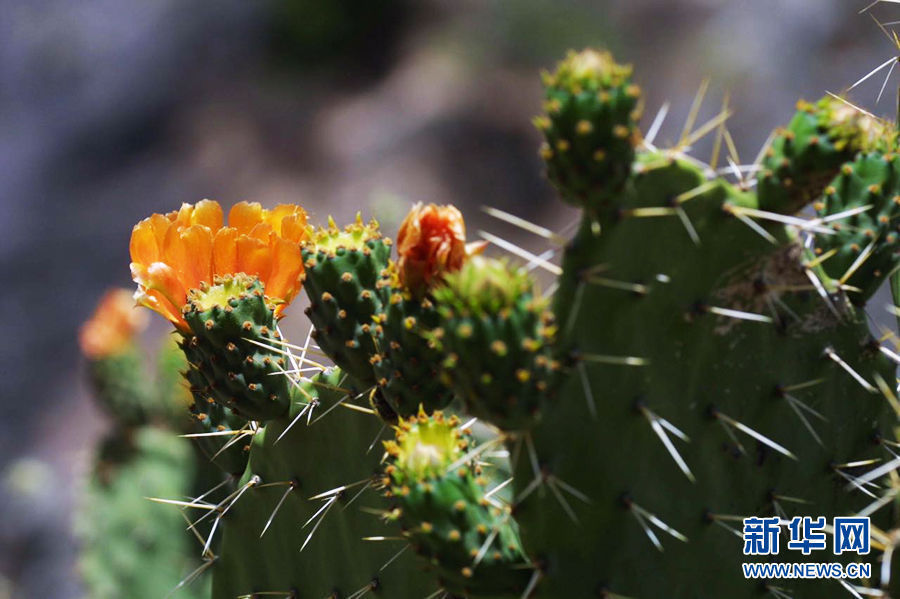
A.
pixel 276 216
pixel 293 227
pixel 431 242
pixel 198 245
pixel 160 225
pixel 476 248
pixel 144 247
pixel 262 231
pixel 112 327
pixel 157 302
pixel 176 252
pixel 287 266
pixel 209 214
pixel 254 257
pixel 225 251
pixel 184 214
pixel 163 278
pixel 243 216
pixel 139 274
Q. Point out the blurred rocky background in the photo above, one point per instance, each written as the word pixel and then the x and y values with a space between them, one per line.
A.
pixel 113 109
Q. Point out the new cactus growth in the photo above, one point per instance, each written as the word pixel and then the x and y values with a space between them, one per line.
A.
pixel 446 511
pixel 704 359
pixel 431 245
pixel 407 363
pixel 220 433
pixel 590 125
pixel 344 269
pixel 864 245
pixel 497 336
pixel 807 154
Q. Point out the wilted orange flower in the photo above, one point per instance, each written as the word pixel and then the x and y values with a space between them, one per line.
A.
pixel 176 252
pixel 430 243
pixel 113 325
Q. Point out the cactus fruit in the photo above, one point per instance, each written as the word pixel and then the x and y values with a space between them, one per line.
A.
pixel 590 126
pixel 447 512
pixel 431 244
pixel 407 364
pixel 705 358
pixel 344 270
pixel 864 244
pixel 233 345
pixel 807 154
pixel 189 266
pixel 221 435
pixel 497 338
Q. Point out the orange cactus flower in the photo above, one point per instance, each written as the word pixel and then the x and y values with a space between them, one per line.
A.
pixel 112 327
pixel 430 243
pixel 176 252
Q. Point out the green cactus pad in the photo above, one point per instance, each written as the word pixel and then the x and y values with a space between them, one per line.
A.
pixel 724 341
pixel 132 547
pixel 122 387
pixel 234 345
pixel 344 270
pixel 172 394
pixel 446 511
pixel 293 462
pixel 590 127
pixel 407 365
pixel 497 338
pixel 217 427
pixel 807 154
pixel 865 244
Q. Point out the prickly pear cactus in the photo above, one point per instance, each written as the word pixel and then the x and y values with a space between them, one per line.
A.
pixel 132 547
pixel 407 364
pixel 498 341
pixel 717 369
pixel 309 521
pixel 343 270
pixel 447 512
pixel 705 358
